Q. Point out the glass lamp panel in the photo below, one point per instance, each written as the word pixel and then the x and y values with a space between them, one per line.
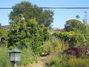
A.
pixel 12 56
pixel 17 57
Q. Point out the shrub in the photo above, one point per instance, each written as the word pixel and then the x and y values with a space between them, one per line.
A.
pixel 74 39
pixel 28 33
pixel 77 51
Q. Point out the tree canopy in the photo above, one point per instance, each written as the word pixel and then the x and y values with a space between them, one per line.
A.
pixel 77 26
pixel 28 11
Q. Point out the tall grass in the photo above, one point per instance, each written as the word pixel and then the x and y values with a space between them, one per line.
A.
pixel 54 45
pixel 4 58
pixel 27 57
pixel 67 61
pixel 78 62
pixel 56 61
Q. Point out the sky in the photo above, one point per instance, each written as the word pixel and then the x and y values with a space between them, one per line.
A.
pixel 60 15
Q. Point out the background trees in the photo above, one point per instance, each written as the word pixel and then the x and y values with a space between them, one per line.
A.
pixel 76 26
pixel 28 11
pixel 29 31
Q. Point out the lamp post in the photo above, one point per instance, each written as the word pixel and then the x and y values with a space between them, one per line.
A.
pixel 14 56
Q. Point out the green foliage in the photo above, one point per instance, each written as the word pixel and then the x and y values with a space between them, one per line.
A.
pixel 77 26
pixel 28 11
pixel 78 62
pixel 3 38
pixel 26 34
pixel 54 45
pixel 57 61
pixel 4 58
pixel 73 24
pixel 67 61
pixel 71 37
pixel 77 16
pixel 27 57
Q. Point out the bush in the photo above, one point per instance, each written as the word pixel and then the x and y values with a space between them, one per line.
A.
pixel 74 39
pixel 28 33
pixel 4 58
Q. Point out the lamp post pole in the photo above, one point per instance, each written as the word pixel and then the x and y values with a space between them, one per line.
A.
pixel 15 65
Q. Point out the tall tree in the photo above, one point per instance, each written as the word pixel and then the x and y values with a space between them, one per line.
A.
pixel 28 11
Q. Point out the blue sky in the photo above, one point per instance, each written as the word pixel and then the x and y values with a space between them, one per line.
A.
pixel 60 16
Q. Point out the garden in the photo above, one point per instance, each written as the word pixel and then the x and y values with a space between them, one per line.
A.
pixel 31 32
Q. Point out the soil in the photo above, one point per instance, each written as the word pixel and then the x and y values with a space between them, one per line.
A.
pixel 40 63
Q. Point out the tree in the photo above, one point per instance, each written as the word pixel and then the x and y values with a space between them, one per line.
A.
pixel 28 34
pixel 72 24
pixel 77 26
pixel 28 11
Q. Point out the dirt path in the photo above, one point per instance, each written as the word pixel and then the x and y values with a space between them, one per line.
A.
pixel 43 61
pixel 40 63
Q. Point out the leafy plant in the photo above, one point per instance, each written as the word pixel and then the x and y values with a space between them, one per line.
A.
pixel 74 39
pixel 26 34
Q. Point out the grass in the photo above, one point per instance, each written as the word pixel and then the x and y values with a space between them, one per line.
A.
pixel 4 58
pixel 27 57
pixel 54 45
pixel 67 61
